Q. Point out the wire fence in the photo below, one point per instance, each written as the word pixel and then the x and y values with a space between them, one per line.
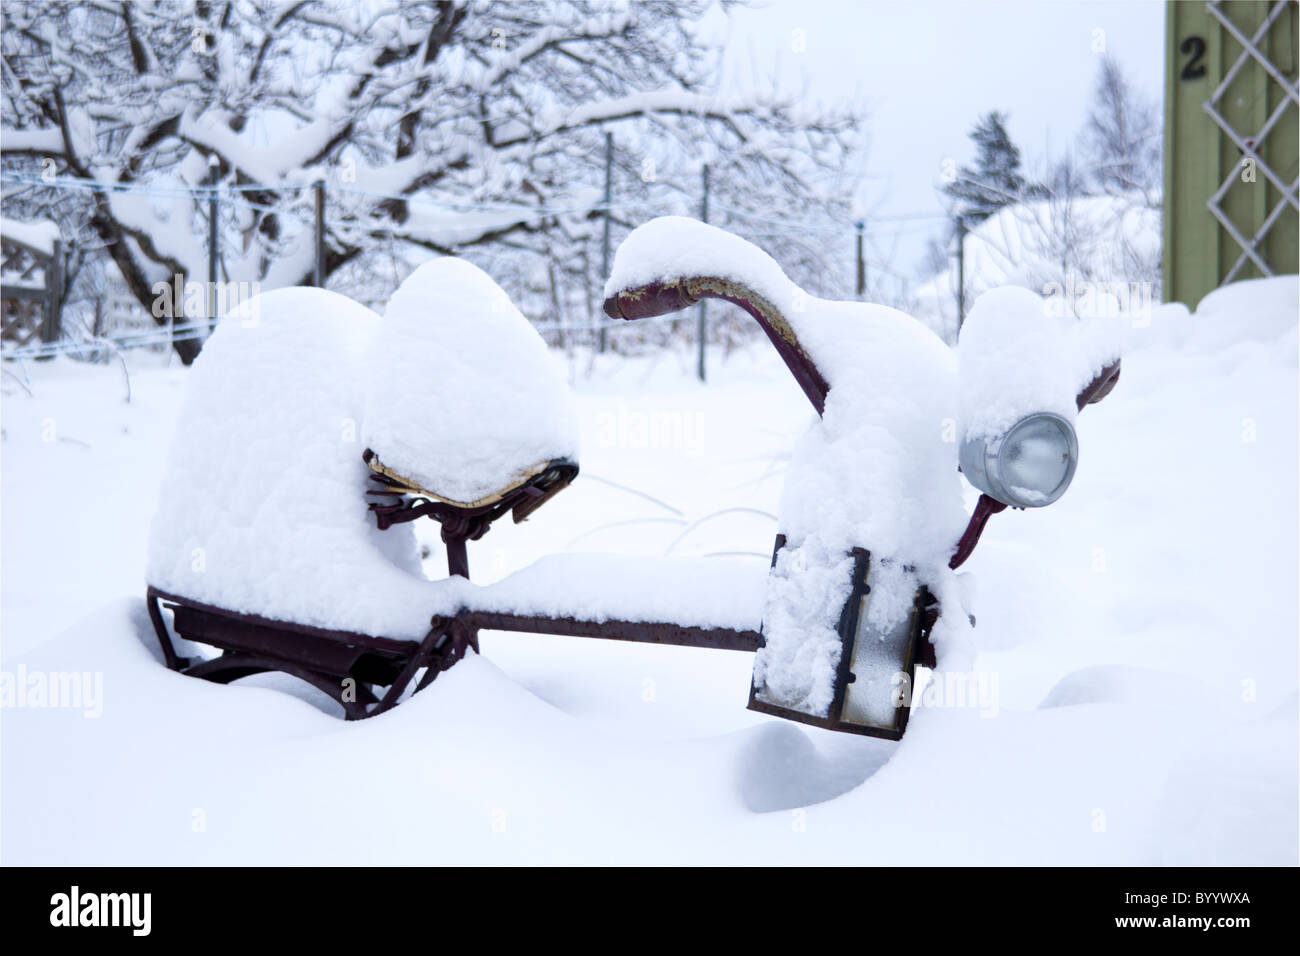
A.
pixel 234 190
pixel 310 212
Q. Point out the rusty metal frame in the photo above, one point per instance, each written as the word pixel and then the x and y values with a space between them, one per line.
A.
pixel 251 644
pixel 639 632
pixel 401 500
pixel 326 659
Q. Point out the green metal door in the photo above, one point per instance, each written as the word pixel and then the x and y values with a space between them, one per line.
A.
pixel 1231 106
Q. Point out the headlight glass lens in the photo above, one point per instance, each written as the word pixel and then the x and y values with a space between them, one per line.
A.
pixel 1036 460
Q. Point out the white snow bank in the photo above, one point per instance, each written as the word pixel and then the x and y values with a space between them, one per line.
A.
pixel 1257 310
pixel 263 507
pixel 461 395
pixel 553 771
pixel 694 592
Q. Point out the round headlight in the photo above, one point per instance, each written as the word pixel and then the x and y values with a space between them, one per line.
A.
pixel 1029 466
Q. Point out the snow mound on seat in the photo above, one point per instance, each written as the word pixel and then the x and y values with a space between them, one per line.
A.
pixel 263 506
pixel 461 395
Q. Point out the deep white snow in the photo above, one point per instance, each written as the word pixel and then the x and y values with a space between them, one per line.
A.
pixel 1129 697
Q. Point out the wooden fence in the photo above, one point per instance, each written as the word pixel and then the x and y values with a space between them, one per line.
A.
pixel 30 293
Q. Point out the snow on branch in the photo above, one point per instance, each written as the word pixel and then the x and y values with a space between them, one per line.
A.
pixel 482 104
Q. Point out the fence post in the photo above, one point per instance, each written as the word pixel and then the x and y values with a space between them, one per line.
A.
pixel 319 188
pixel 704 217
pixel 586 288
pixel 604 242
pixel 861 226
pixel 961 271
pixel 555 300
pixel 214 169
pixel 51 328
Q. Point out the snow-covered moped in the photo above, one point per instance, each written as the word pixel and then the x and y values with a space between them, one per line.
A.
pixel 861 587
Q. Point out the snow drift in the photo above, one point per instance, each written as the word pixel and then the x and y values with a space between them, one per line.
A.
pixel 1151 619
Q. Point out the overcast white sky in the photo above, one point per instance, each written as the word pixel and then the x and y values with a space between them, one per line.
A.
pixel 926 69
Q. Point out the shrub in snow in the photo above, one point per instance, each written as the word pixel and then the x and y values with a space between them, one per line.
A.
pixel 1091 256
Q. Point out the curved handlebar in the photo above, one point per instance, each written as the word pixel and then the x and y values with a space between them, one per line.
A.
pixel 1100 386
pixel 661 298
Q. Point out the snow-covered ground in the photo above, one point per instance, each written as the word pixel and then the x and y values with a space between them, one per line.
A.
pixel 1134 698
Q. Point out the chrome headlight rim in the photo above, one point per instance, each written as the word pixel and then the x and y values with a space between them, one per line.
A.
pixel 983 464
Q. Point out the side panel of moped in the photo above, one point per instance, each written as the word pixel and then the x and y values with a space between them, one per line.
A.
pixel 877 665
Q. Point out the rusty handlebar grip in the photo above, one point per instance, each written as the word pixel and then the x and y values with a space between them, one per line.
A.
pixel 645 302
pixel 1100 386
pixel 661 298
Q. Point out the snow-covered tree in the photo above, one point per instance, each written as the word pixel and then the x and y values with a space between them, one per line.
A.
pixel 995 180
pixel 1122 137
pixel 433 124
